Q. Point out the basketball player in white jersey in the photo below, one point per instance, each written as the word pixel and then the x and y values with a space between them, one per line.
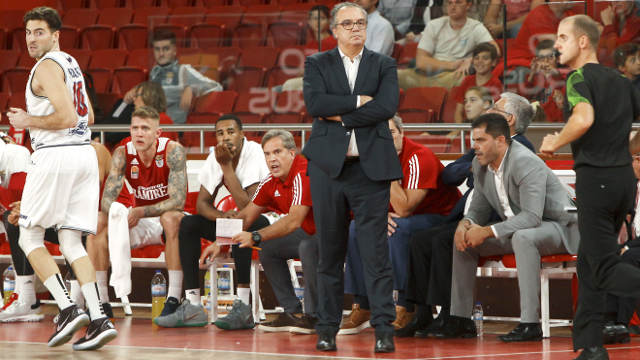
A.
pixel 61 189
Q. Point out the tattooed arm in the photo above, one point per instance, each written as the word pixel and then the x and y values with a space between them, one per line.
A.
pixel 177 187
pixel 113 185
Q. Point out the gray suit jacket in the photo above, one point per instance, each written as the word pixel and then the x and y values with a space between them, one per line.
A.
pixel 535 195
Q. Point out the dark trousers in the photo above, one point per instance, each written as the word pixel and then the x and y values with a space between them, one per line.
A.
pixel 274 256
pixel 194 227
pixel 620 309
pixel 430 254
pixel 604 196
pixel 333 199
pixel 20 261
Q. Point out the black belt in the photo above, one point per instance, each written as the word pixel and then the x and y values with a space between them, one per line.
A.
pixel 351 159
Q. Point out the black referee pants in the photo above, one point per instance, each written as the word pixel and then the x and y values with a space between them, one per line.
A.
pixel 604 197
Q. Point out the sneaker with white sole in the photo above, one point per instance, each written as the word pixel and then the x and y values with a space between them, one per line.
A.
pixel 17 310
pixel 238 318
pixel 67 322
pixel 99 332
pixel 186 315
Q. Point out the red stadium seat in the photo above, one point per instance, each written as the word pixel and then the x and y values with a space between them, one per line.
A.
pixel 80 18
pixel 125 78
pixel 133 37
pixel 106 101
pixel 8 59
pixel 150 16
pixel 216 102
pixel 407 54
pixel 246 78
pixel 425 98
pixel 104 4
pixel 286 118
pixel 290 102
pixel 261 14
pixel 176 3
pixel 248 35
pixel 14 80
pixel 17 100
pixel 69 37
pixel 256 102
pixel 3 38
pixel 206 36
pixel 210 3
pixel 282 34
pixel 187 16
pixel 259 57
pixel 66 5
pixel 16 39
pixel 4 100
pixel 137 4
pixel 82 56
pixel 449 111
pixel 101 79
pixel 96 37
pixel 230 16
pixel 278 75
pixel 296 12
pixel 115 16
pixel 141 58
pixel 292 57
pixel 108 59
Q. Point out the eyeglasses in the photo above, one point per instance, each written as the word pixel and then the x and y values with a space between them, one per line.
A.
pixel 349 24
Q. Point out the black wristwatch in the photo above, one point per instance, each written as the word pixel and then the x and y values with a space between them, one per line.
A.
pixel 256 237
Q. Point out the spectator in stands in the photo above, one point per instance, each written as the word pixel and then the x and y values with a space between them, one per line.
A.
pixel 627 61
pixel 530 201
pixel 516 13
pixel 420 200
pixel 148 94
pixel 443 57
pixel 155 168
pixel 380 35
pixel 621 24
pixel 318 23
pixel 477 100
pixel 285 190
pixel 545 82
pixel 431 250
pixel 181 82
pixel 399 13
pixel 540 24
pixel 238 166
pixel 485 58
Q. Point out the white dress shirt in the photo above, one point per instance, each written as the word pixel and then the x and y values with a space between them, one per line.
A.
pixel 498 176
pixel 351 68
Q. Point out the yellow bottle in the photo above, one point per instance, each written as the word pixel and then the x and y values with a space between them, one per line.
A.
pixel 158 293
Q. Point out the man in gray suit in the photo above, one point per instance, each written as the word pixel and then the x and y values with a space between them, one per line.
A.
pixel 531 201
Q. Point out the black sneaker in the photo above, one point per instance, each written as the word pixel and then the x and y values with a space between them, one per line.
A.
pixel 107 310
pixel 170 306
pixel 67 323
pixel 99 332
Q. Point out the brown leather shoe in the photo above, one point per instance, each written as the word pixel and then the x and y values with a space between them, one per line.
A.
pixel 402 317
pixel 357 321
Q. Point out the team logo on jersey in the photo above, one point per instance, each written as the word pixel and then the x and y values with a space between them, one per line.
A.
pixel 159 161
pixel 135 162
pixel 276 194
pixel 135 172
pixel 168 78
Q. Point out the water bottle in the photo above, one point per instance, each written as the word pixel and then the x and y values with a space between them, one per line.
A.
pixel 206 301
pixel 299 291
pixel 8 283
pixel 477 316
pixel 224 281
pixel 158 293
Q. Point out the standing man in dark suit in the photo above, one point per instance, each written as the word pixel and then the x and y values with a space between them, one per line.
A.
pixel 352 92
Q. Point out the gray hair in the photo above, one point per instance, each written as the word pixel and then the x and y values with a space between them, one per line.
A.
pixel 285 136
pixel 397 121
pixel 520 108
pixel 342 5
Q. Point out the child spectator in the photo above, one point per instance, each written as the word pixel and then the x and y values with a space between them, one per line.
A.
pixel 485 58
pixel 627 61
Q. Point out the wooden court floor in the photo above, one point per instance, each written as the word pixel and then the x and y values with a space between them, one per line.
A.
pixel 138 339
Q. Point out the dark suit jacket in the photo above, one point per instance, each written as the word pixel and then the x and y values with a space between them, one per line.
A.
pixel 327 93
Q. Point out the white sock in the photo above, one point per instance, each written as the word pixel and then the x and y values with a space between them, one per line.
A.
pixel 55 285
pixel 175 284
pixel 193 295
pixel 103 288
pixel 25 287
pixel 76 293
pixel 243 294
pixel 90 292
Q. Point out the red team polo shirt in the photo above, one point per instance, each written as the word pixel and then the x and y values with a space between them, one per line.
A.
pixel 282 195
pixel 150 184
pixel 421 170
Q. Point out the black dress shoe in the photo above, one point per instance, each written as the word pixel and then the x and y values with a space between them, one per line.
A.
pixel 615 333
pixel 593 353
pixel 326 342
pixel 384 344
pixel 523 332
pixel 456 327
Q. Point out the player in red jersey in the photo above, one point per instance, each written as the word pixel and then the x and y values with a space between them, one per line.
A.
pixel 155 169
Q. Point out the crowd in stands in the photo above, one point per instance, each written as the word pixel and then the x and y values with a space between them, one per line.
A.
pixel 246 66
